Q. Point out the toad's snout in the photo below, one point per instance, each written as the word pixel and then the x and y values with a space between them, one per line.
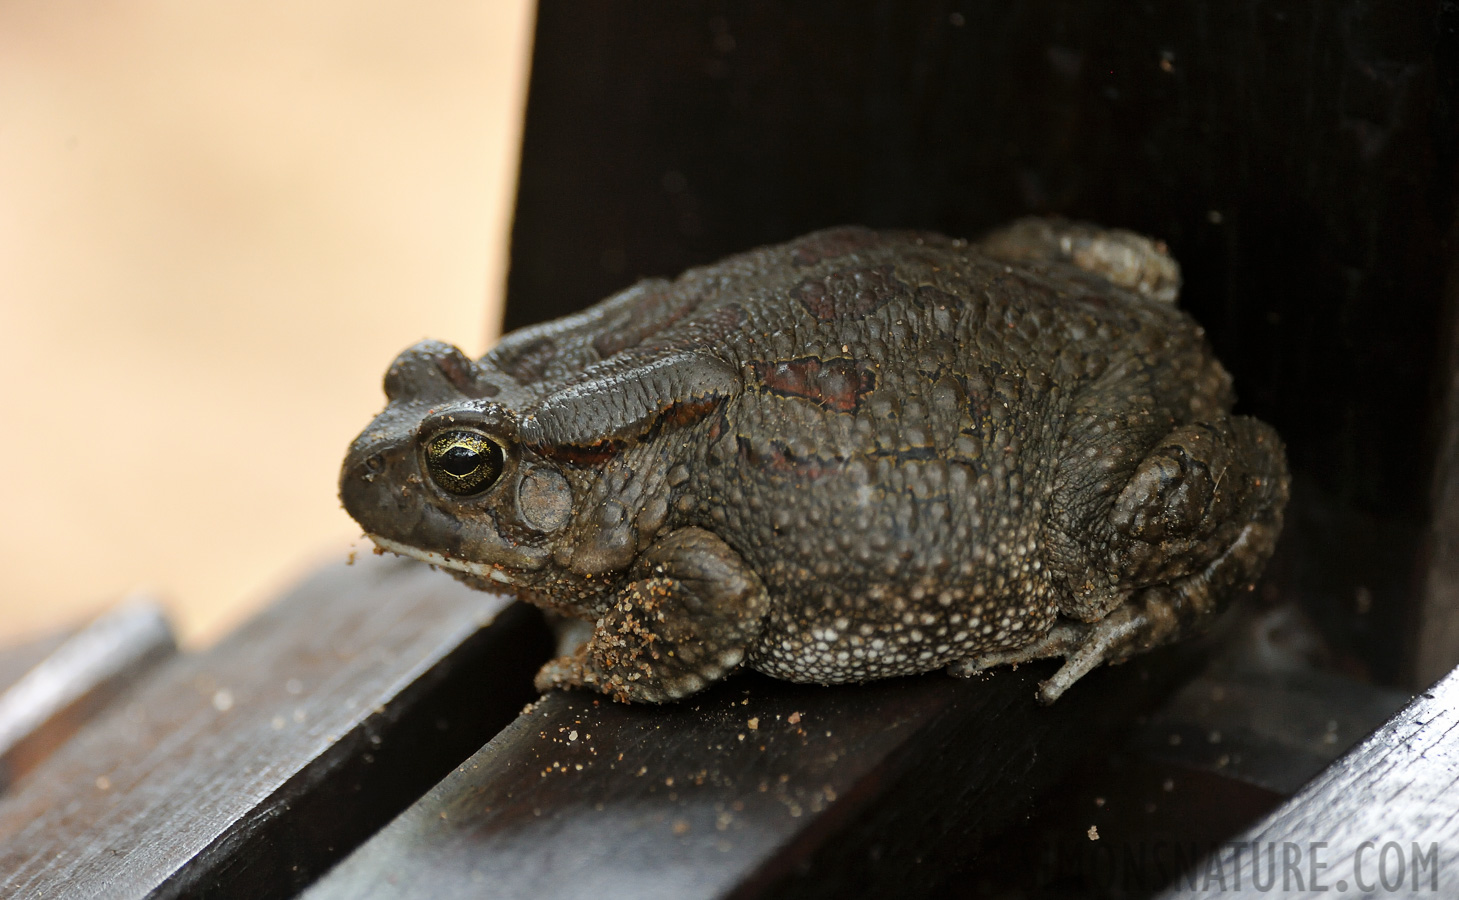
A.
pixel 374 484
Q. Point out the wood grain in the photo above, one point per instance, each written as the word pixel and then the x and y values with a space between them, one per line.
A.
pixel 246 770
pixel 1381 821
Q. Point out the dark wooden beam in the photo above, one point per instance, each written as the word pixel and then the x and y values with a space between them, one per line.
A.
pixel 1299 161
pixel 246 770
pixel 1437 632
pixel 755 787
pixel 1437 635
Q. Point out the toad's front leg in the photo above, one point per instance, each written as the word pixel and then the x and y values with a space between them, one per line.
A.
pixel 683 622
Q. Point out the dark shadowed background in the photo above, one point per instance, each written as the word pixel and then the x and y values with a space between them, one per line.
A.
pixel 1297 157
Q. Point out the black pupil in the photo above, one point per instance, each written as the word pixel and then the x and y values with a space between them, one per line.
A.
pixel 464 463
pixel 460 461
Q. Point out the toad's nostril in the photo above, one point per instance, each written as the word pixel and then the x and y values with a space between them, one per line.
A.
pixel 375 464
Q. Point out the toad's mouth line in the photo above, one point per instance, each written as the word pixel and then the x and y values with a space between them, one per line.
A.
pixel 483 570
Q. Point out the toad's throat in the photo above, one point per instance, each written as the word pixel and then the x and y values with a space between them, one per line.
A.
pixel 483 570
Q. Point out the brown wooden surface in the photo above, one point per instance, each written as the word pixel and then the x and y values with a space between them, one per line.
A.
pixel 19 658
pixel 754 788
pixel 1227 750
pixel 246 770
pixel 1381 821
pixel 49 689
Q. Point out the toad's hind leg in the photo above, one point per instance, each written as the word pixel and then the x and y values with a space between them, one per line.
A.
pixel 682 623
pixel 1155 616
pixel 1196 522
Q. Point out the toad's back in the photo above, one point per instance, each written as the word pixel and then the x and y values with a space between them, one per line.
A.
pixel 894 457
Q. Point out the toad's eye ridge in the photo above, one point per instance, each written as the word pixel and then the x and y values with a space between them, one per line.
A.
pixel 464 462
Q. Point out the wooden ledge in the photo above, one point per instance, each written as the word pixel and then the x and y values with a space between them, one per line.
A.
pixel 248 769
pixel 755 787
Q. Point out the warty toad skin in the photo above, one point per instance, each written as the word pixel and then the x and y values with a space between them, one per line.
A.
pixel 852 456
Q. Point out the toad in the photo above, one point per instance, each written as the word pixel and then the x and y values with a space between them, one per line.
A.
pixel 852 456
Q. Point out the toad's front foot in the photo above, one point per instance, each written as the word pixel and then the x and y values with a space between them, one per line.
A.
pixel 682 623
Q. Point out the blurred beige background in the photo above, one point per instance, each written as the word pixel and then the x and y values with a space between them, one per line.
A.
pixel 218 223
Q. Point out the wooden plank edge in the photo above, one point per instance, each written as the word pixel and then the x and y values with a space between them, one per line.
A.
pixel 76 680
pixel 1380 821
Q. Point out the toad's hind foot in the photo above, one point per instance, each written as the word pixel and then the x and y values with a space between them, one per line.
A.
pixel 1126 631
pixel 1194 526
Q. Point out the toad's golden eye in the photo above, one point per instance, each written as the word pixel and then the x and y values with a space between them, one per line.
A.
pixel 464 462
